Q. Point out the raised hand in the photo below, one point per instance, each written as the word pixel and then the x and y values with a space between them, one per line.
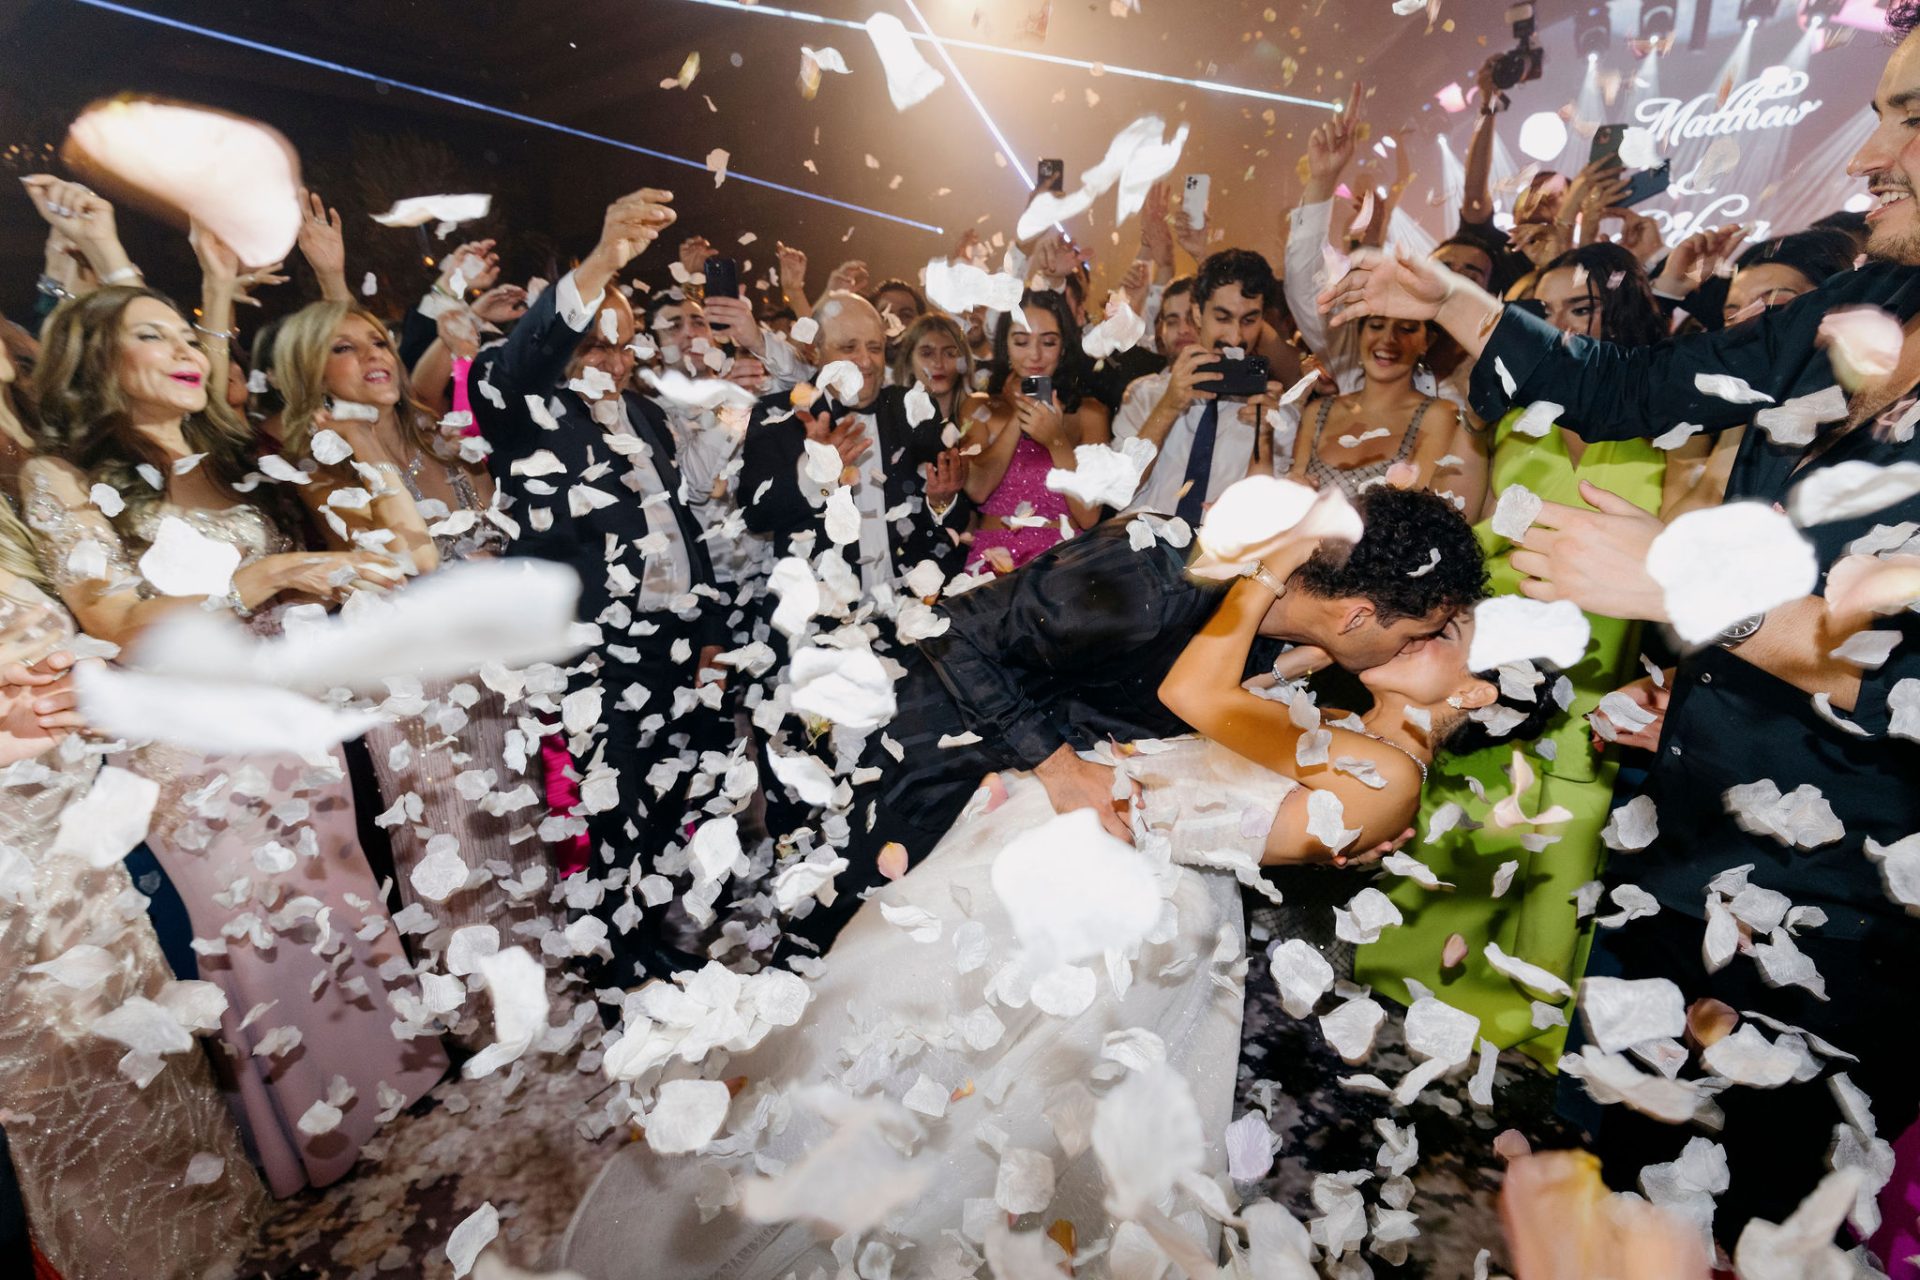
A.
pixel 694 252
pixel 474 265
pixel 1156 233
pixel 1330 146
pixel 83 217
pixel 632 224
pixel 1387 282
pixel 733 318
pixel 849 277
pixel 793 269
pixel 500 304
pixel 1695 259
pixel 323 241
pixel 460 331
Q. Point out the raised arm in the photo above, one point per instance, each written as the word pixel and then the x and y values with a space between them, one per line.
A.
pixel 1609 392
pixel 87 221
pixel 323 244
pixel 1204 689
pixel 1476 193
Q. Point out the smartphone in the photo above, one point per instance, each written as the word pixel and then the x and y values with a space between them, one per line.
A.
pixel 1238 379
pixel 1606 143
pixel 723 278
pixel 1647 184
pixel 1053 177
pixel 1194 202
pixel 1040 389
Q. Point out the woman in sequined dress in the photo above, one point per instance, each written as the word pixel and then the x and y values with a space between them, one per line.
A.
pixel 298 943
pixel 1022 438
pixel 452 744
pixel 104 1162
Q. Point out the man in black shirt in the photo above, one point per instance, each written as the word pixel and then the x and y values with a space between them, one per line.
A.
pixel 1771 702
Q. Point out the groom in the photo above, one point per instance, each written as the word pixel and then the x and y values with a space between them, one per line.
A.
pixel 1071 650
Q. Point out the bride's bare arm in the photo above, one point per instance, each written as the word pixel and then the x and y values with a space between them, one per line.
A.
pixel 1203 688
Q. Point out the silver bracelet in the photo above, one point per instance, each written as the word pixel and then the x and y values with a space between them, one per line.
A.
pixel 225 335
pixel 123 275
pixel 235 603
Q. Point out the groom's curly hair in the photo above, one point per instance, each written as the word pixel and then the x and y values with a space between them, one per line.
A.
pixel 1393 564
pixel 1903 16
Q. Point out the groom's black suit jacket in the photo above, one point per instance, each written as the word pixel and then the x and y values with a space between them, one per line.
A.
pixel 1071 648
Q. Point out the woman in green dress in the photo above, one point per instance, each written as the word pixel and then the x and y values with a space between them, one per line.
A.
pixel 1598 291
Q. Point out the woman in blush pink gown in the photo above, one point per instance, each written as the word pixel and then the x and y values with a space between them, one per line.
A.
pixel 287 917
pixel 1024 436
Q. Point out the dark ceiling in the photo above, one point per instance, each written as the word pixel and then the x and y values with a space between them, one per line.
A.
pixel 597 66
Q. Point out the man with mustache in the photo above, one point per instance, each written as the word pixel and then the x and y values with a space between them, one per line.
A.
pixel 1204 443
pixel 1813 694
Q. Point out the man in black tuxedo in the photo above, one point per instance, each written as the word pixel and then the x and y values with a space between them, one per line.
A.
pixel 903 484
pixel 1070 650
pixel 892 467
pixel 589 466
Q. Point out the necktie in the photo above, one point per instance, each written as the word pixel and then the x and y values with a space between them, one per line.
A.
pixel 1199 465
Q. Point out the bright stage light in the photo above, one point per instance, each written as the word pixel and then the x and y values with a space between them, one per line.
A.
pixel 1544 136
pixel 733 175
pixel 1006 148
pixel 1104 68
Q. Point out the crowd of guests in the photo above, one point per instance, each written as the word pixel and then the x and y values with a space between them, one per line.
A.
pixel 682 447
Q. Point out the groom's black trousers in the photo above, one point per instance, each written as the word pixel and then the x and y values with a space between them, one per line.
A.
pixel 915 799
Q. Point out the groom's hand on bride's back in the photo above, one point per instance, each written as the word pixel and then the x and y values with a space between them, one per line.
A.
pixel 1073 783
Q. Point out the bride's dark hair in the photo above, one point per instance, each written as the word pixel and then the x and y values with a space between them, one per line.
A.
pixel 1474 731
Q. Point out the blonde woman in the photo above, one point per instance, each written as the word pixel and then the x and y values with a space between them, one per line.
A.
pixel 340 372
pixel 126 426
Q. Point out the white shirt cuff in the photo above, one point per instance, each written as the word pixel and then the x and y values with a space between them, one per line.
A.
pixel 574 311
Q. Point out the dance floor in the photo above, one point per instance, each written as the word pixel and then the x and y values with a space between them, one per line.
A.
pixel 516 1139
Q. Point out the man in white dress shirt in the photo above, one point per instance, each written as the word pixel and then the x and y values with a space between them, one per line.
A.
pixel 1205 443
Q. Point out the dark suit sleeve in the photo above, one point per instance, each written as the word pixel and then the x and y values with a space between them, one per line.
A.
pixel 1089 598
pixel 533 356
pixel 1611 392
pixel 770 476
pixel 417 333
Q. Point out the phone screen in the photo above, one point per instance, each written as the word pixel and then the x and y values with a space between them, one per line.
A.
pixel 1606 142
pixel 1053 176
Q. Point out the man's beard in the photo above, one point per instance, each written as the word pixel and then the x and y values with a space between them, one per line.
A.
pixel 1899 247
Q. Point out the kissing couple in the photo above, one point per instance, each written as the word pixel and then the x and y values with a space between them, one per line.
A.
pixel 1038 1023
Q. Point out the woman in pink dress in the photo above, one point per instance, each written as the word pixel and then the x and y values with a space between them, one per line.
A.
pixel 1029 424
pixel 287 917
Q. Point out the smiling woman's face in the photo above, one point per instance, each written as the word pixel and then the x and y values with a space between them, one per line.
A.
pixel 361 365
pixel 162 369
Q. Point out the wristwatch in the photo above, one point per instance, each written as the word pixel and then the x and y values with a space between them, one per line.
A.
pixel 1737 634
pixel 1266 578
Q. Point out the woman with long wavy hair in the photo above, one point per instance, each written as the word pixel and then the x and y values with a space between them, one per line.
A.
pixel 339 372
pixel 133 449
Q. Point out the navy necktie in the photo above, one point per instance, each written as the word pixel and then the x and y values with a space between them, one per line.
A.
pixel 1199 465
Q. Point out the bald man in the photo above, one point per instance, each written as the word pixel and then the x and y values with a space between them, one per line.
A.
pixel 905 483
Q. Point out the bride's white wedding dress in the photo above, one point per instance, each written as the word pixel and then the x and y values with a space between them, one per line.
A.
pixel 892 1015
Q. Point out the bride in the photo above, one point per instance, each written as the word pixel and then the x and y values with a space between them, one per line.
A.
pixel 960 1090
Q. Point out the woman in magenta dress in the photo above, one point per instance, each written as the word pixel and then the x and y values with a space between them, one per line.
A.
pixel 1029 423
